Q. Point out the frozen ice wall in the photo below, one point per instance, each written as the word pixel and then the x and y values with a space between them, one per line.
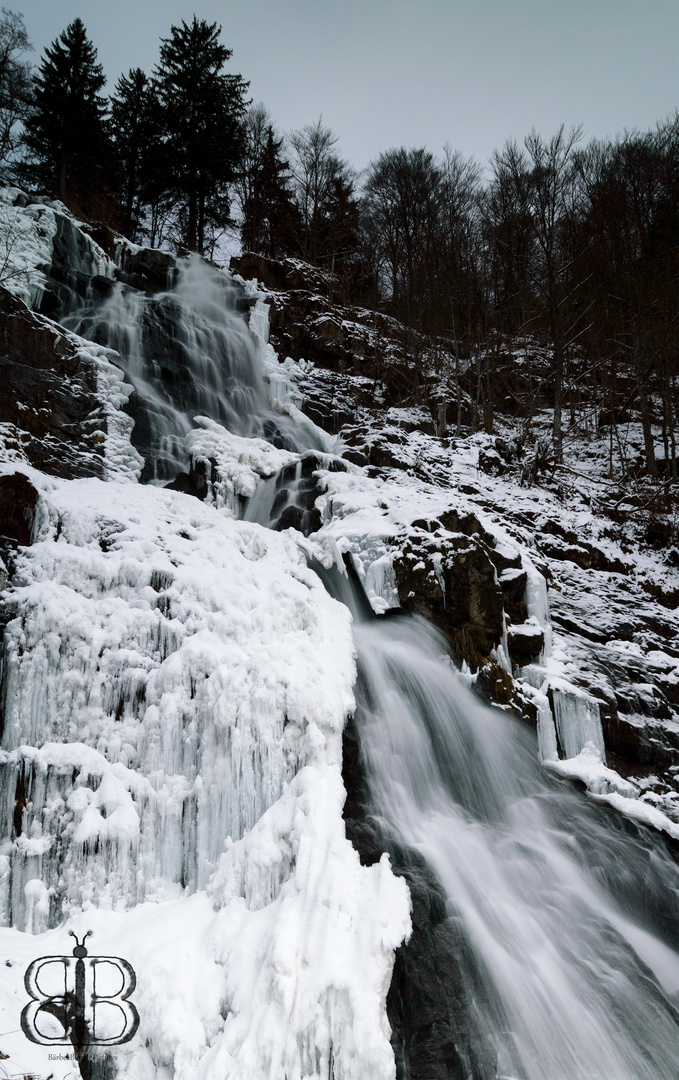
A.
pixel 167 672
pixel 175 687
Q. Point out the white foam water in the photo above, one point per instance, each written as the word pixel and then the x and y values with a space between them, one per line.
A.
pixel 571 918
pixel 187 351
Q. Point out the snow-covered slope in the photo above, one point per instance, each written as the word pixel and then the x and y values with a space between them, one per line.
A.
pixel 176 683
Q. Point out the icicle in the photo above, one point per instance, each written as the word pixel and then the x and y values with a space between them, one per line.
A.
pixel 577 720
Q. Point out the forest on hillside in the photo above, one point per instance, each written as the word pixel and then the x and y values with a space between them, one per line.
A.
pixel 569 244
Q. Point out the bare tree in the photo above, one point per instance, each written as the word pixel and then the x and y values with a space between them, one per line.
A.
pixel 256 124
pixel 323 184
pixel 403 195
pixel 542 179
pixel 15 81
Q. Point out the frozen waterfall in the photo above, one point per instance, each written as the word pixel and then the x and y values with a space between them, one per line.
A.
pixel 175 684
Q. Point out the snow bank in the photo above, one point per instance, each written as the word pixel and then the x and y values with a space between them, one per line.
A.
pixel 240 463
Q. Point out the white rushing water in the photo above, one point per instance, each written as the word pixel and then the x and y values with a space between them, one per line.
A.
pixel 187 351
pixel 175 687
pixel 562 910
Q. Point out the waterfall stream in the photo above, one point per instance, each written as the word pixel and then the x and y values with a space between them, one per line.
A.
pixel 569 911
pixel 571 918
pixel 187 351
pixel 570 915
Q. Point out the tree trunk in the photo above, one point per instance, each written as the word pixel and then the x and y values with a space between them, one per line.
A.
pixel 201 222
pixel 62 179
pixel 673 418
pixel 557 367
pixel 191 238
pixel 645 408
pixel 131 189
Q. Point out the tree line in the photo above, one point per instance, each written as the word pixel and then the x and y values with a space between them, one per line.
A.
pixel 570 244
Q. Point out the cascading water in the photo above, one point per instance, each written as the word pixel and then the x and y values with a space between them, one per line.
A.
pixel 166 674
pixel 187 351
pixel 572 918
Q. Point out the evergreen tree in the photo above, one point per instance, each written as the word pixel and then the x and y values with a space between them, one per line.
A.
pixel 66 133
pixel 268 212
pixel 203 110
pixel 137 129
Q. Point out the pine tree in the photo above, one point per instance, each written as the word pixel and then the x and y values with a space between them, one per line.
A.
pixel 137 129
pixel 66 133
pixel 203 110
pixel 269 211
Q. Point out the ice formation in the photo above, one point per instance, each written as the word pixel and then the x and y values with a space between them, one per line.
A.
pixel 176 682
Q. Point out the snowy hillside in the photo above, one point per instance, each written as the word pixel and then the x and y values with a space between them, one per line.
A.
pixel 233 748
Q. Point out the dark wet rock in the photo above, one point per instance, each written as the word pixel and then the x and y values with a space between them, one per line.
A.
pixel 146 269
pixel 297 488
pixel 434 1031
pixel 18 504
pixel 312 461
pixel 104 236
pixel 526 642
pixel 195 481
pixel 285 274
pixel 636 745
pixel 451 581
pixel 101 287
pixel 48 391
pixel 513 584
pixel 496 684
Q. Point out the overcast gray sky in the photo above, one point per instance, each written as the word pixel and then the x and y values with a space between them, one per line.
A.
pixel 414 72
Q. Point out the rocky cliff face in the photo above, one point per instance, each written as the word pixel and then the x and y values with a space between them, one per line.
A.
pixel 613 598
pixel 49 402
pixel 554 610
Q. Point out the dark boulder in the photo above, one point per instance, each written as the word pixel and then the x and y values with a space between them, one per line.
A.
pixel 526 642
pixel 48 391
pixel 513 584
pixel 195 481
pixel 451 581
pixel 18 503
pixel 146 269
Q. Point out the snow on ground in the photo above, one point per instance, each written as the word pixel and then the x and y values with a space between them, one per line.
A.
pixel 597 618
pixel 178 686
pixel 28 226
